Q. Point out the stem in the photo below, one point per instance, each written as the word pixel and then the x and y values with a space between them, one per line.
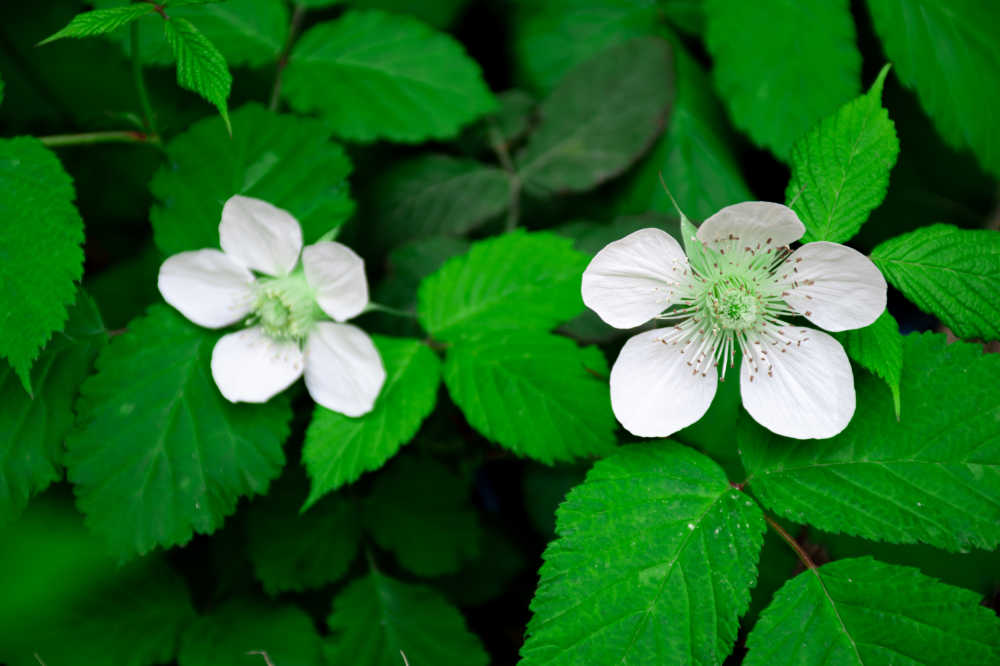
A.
pixel 500 148
pixel 293 29
pixel 803 555
pixel 140 82
pixel 124 136
pixel 377 307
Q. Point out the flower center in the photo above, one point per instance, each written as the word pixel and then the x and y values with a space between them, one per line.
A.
pixel 284 307
pixel 735 309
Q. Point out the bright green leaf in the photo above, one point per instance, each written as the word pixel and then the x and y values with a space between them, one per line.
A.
pixel 537 394
pixel 518 281
pixel 200 66
pixel 654 562
pixel 101 21
pixel 339 449
pixel 270 156
pixel 376 618
pixel 375 75
pixel 438 13
pixel 879 348
pixel 933 476
pixel 840 169
pixel 40 255
pixel 158 453
pixel 861 611
pixel 583 138
pixel 782 65
pixel 949 272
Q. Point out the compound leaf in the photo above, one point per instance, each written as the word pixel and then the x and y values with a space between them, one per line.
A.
pixel 200 66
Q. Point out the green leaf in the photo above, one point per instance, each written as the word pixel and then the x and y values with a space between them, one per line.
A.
pixel 537 394
pixel 654 562
pixel 158 453
pixel 879 348
pixel 293 551
pixel 436 194
pixel 200 66
pixel 949 272
pixel 933 476
pixel 338 449
pixel 518 281
pixel 583 138
pixel 420 510
pixel 840 169
pixel 101 21
pixel 861 611
pixel 949 53
pixel 438 13
pixel 36 206
pixel 782 65
pixel 271 157
pixel 376 618
pixel 32 429
pixel 232 632
pixel 374 75
pixel 490 574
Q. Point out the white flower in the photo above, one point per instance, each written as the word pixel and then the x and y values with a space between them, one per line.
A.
pixel 257 276
pixel 735 290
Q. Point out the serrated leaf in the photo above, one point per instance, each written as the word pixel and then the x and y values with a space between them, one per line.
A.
pixel 238 632
pixel 420 510
pixel 436 194
pixel 583 139
pixel 518 281
pixel 879 348
pixel 654 562
pixel 404 80
pixel 270 156
pixel 376 618
pixel 158 454
pixel 782 65
pixel 200 66
pixel 36 206
pixel 338 449
pixel 32 429
pixel 949 272
pixel 101 21
pixel 537 394
pixel 840 169
pixel 295 551
pixel 861 611
pixel 933 476
pixel 949 53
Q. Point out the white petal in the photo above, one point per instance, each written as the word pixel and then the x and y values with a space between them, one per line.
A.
pixel 635 278
pixel 207 287
pixel 337 274
pixel 753 222
pixel 248 366
pixel 262 236
pixel 802 387
pixel 834 286
pixel 343 369
pixel 654 392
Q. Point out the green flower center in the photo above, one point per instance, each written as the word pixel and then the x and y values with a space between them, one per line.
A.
pixel 285 307
pixel 735 309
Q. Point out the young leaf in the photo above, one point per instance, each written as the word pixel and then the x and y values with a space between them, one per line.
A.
pixel 782 66
pixel 376 618
pixel 271 157
pixel 933 476
pixel 537 394
pixel 603 116
pixel 101 21
pixel 420 511
pixel 200 66
pixel 436 194
pixel 861 611
pixel 949 272
pixel 949 53
pixel 840 169
pixel 518 281
pixel 879 348
pixel 32 429
pixel 338 449
pixel 158 453
pixel 40 235
pixel 654 562
pixel 241 630
pixel 375 75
